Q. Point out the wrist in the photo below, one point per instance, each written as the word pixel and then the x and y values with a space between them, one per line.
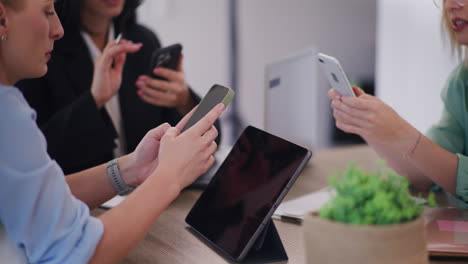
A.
pixel 413 145
pixel 408 140
pixel 167 176
pixel 128 171
pixel 115 178
pixel 98 99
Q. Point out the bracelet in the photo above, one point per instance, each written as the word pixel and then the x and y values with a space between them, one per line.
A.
pixel 113 172
pixel 413 149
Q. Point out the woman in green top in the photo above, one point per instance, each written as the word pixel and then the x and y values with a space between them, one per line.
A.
pixel 440 157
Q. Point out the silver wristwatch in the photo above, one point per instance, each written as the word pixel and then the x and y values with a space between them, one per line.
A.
pixel 113 172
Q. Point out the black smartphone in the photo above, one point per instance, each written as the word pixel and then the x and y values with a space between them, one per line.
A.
pixel 168 57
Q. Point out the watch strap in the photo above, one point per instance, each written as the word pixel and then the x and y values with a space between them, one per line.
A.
pixel 113 172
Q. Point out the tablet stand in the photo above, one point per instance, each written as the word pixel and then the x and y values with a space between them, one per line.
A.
pixel 268 247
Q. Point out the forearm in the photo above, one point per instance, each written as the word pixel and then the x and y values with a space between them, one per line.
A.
pixel 427 163
pixel 401 165
pixel 93 186
pixel 126 224
pixel 436 163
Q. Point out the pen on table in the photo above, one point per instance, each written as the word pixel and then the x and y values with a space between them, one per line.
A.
pixel 288 218
pixel 291 219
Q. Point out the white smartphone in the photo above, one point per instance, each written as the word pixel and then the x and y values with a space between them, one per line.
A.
pixel 335 74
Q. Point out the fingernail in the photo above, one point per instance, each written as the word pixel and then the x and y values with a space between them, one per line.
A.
pixel 221 106
pixel 157 70
pixel 140 83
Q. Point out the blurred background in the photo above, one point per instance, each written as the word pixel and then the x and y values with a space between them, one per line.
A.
pixel 393 48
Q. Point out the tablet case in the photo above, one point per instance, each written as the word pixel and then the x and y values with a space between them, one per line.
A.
pixel 268 247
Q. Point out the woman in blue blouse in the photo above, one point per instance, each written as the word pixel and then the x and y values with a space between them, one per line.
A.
pixel 44 217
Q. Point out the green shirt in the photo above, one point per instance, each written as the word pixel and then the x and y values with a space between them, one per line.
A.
pixel 451 131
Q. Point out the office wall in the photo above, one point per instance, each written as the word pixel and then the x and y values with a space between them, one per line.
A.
pixel 270 29
pixel 202 27
pixel 412 60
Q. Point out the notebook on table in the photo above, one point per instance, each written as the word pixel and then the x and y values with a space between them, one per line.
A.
pixel 447 232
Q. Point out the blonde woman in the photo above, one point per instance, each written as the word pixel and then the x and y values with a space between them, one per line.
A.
pixel 439 157
pixel 44 217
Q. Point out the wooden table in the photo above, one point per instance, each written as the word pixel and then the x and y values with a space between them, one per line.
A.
pixel 170 241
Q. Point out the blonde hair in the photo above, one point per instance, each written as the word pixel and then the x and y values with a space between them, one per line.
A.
pixel 457 49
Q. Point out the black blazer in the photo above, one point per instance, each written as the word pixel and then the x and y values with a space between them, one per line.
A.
pixel 80 136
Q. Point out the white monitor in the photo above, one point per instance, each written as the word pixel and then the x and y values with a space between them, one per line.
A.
pixel 296 104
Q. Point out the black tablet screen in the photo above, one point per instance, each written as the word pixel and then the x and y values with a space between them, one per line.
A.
pixel 245 188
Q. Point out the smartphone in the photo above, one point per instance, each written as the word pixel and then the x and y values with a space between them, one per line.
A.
pixel 217 94
pixel 335 74
pixel 168 57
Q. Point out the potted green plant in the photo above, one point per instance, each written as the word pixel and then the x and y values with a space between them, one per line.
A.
pixel 372 218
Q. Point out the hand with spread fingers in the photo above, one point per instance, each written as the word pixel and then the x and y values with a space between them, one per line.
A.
pixel 171 93
pixel 372 119
pixel 108 69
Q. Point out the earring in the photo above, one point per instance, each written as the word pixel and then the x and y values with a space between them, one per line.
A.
pixel 3 37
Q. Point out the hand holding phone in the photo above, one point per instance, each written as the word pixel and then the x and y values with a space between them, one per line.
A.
pixel 335 75
pixel 217 94
pixel 168 57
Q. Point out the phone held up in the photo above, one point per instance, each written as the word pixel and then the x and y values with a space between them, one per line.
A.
pixel 335 74
pixel 168 57
pixel 217 94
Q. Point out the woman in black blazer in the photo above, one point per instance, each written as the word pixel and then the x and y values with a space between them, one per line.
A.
pixel 70 108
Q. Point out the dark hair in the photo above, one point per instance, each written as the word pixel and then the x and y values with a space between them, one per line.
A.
pixel 69 14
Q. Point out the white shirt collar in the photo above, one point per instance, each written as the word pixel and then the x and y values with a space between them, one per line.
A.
pixel 93 49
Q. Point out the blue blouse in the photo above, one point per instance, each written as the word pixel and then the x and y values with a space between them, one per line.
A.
pixel 40 215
